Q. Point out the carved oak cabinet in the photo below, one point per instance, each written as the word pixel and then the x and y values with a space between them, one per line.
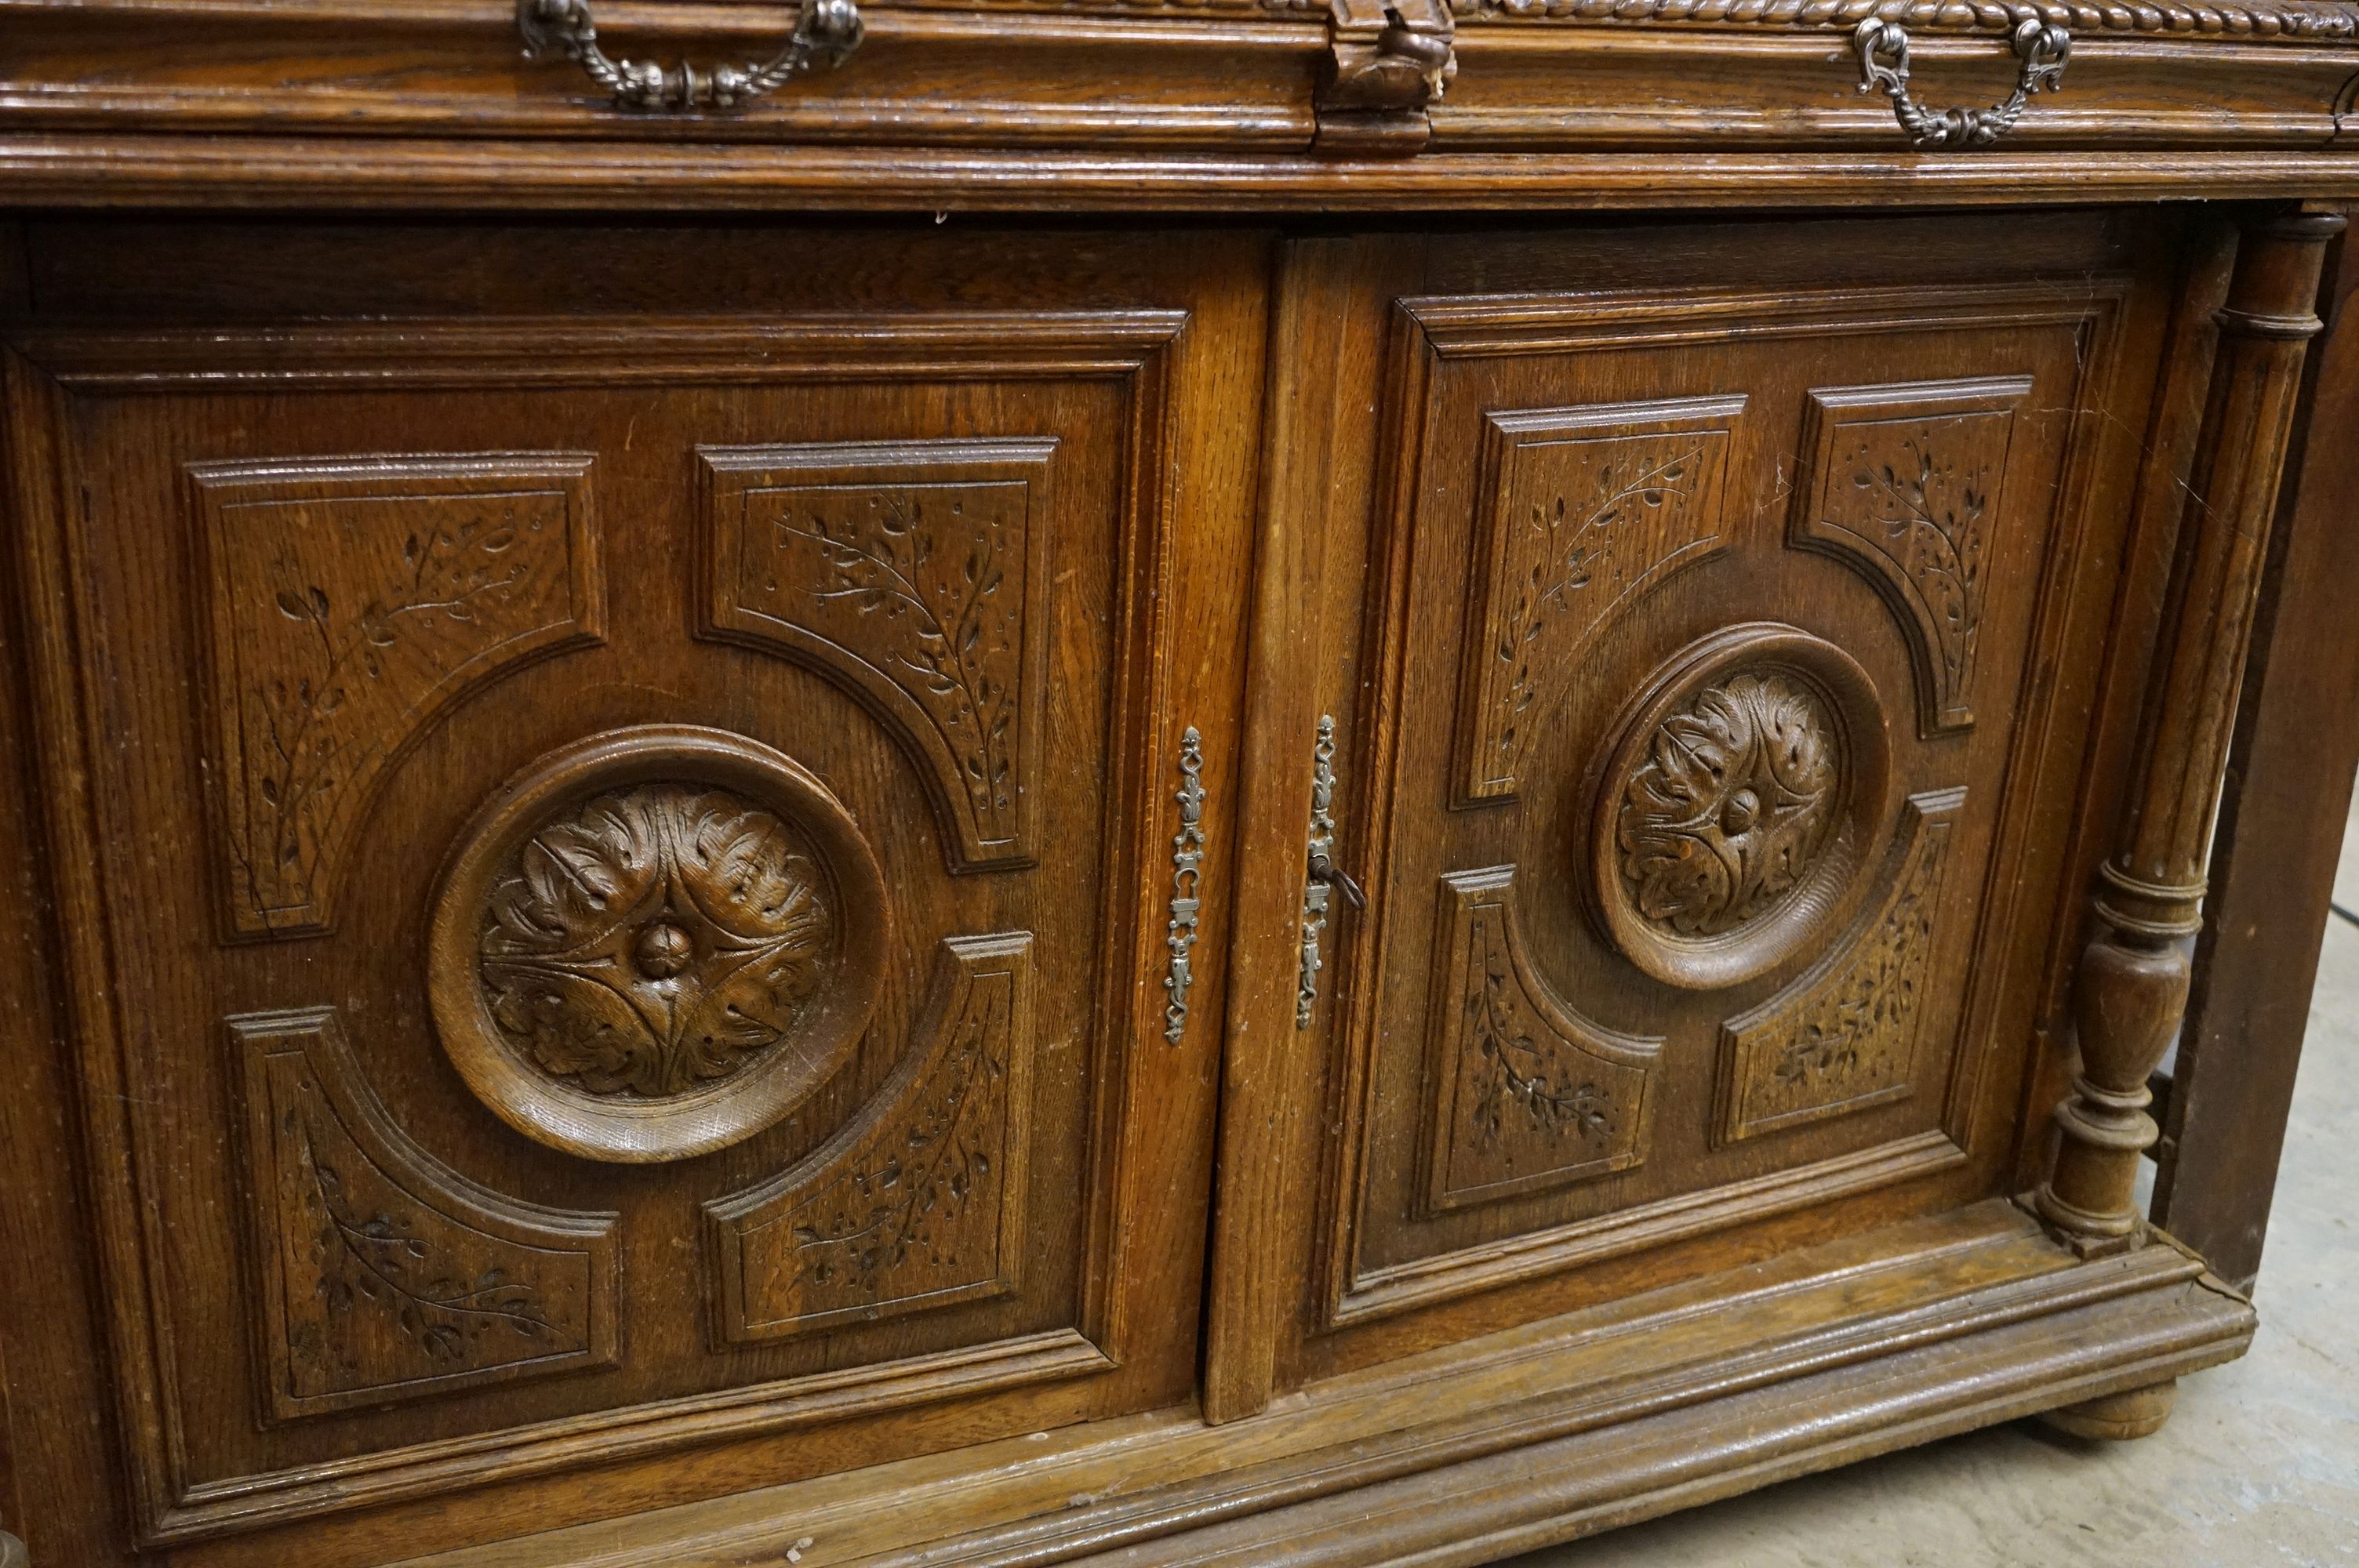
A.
pixel 1104 783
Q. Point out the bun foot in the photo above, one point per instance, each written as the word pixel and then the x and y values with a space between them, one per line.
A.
pixel 2117 1417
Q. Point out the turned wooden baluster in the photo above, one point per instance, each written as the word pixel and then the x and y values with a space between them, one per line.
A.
pixel 2131 990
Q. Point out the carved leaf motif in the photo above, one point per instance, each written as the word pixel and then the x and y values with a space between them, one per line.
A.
pixel 387 1275
pixel 1843 1036
pixel 379 1258
pixel 1732 805
pixel 1927 508
pixel 931 565
pixel 1530 1095
pixel 1857 1030
pixel 917 1207
pixel 1906 492
pixel 656 940
pixel 1516 1071
pixel 1575 548
pixel 1591 505
pixel 350 600
pixel 908 1196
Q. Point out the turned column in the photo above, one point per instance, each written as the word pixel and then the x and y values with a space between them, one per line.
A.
pixel 2130 993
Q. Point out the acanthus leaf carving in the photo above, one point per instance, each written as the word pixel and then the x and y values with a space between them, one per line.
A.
pixel 388 1276
pixel 1906 486
pixel 914 572
pixel 1532 1095
pixel 656 942
pixel 919 1204
pixel 656 938
pixel 1732 805
pixel 353 600
pixel 1843 1037
pixel 1728 819
pixel 1586 508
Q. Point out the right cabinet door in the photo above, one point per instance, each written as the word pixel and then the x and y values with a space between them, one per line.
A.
pixel 1714 618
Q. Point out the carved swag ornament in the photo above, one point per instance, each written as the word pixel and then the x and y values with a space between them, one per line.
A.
pixel 655 939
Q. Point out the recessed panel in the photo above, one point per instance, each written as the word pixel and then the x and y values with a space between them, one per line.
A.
pixel 611 1004
pixel 1697 608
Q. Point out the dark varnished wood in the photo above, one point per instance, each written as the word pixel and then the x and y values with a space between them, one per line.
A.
pixel 1031 889
pixel 728 884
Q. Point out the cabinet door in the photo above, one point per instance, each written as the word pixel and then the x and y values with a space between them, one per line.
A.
pixel 1707 619
pixel 636 822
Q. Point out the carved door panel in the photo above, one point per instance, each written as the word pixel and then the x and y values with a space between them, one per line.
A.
pixel 1710 679
pixel 635 850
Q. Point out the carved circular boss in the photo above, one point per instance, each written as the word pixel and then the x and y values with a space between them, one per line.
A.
pixel 656 943
pixel 1729 819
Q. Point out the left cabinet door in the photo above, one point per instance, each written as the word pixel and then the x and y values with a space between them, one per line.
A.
pixel 634 821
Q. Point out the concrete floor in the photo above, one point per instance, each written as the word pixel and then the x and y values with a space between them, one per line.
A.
pixel 2259 1465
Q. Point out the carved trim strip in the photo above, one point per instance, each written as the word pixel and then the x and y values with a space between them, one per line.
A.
pixel 353 601
pixel 1843 1037
pixel 1584 509
pixel 1907 485
pixel 915 575
pixel 387 1275
pixel 1530 1096
pixel 2298 20
pixel 915 1207
pixel 1187 868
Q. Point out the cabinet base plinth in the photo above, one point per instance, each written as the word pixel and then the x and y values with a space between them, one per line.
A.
pixel 1534 1435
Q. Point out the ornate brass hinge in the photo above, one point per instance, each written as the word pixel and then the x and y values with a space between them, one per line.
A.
pixel 1325 877
pixel 1390 60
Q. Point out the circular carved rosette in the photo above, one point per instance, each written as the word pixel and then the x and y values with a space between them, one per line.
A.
pixel 1729 818
pixel 655 943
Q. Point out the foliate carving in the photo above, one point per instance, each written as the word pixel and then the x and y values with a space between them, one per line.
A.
pixel 915 1207
pixel 1532 1095
pixel 352 602
pixel 1843 1037
pixel 388 1276
pixel 1585 508
pixel 913 571
pixel 656 942
pixel 2301 20
pixel 1729 816
pixel 655 939
pixel 1732 807
pixel 1905 488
